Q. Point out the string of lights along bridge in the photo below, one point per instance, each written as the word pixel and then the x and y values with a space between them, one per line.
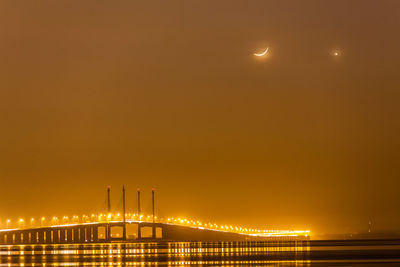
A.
pixel 103 226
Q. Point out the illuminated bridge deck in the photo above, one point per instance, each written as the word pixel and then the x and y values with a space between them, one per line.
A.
pixel 132 231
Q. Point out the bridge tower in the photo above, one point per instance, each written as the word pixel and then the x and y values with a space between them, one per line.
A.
pixel 139 212
pixel 109 199
pixel 138 202
pixel 154 217
pixel 123 213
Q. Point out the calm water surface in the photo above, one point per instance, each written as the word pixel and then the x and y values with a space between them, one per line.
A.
pixel 304 253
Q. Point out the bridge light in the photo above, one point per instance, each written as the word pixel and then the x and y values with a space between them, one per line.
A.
pixel 54 220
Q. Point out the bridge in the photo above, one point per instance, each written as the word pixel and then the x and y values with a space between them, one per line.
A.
pixel 136 231
pixel 105 228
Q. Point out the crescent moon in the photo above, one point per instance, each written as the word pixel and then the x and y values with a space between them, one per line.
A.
pixel 261 54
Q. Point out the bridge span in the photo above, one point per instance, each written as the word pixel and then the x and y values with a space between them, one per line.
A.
pixel 129 231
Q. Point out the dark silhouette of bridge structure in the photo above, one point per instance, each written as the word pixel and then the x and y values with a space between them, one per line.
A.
pixel 106 232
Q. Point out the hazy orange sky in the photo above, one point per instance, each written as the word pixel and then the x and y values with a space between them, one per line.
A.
pixel 167 94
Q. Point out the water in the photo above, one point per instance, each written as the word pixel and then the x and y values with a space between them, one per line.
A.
pixel 304 253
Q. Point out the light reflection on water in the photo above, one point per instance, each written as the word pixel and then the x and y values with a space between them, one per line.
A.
pixel 168 253
pixel 282 253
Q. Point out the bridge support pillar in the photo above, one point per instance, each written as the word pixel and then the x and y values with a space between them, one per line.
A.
pixel 82 234
pixel 108 232
pixel 17 238
pixel 41 236
pixel 62 236
pixel 34 237
pixel 139 231
pixel 56 237
pixel 88 233
pixel 69 235
pixel 26 237
pixel 76 235
pixel 48 236
pixel 9 239
pixel 95 234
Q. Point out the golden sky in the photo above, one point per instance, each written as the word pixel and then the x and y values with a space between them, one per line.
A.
pixel 168 94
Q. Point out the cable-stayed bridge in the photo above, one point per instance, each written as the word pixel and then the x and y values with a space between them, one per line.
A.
pixel 127 227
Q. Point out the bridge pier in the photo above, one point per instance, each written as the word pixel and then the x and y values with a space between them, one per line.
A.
pixel 81 234
pixel 56 237
pixel 150 231
pixel 108 233
pixel 69 235
pixel 153 232
pixel 139 232
pixel 95 234
pixel 17 238
pixel 41 236
pixel 47 235
pixel 76 234
pixel 62 236
pixel 26 237
pixel 34 237
pixel 89 232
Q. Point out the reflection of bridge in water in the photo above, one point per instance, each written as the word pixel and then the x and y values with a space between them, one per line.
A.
pixel 117 229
